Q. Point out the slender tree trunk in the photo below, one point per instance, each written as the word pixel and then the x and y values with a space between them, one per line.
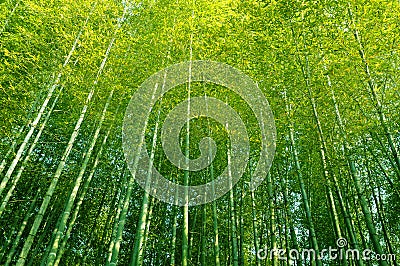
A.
pixel 14 246
pixel 304 195
pixel 149 219
pixel 53 184
pixel 51 189
pixel 192 233
pixel 12 147
pixel 68 208
pixel 241 225
pixel 173 241
pixel 347 218
pixel 387 155
pixel 146 236
pixel 27 157
pixel 90 246
pixel 4 27
pixel 203 235
pixel 293 235
pixel 215 224
pixel 323 150
pixel 122 195
pixel 272 217
pixel 47 225
pixel 141 227
pixel 254 221
pixel 214 203
pixel 35 122
pixel 185 233
pixel 375 98
pixel 383 170
pixel 82 196
pixel 358 186
pixel 174 224
pixel 21 129
pixel 122 219
pixel 356 210
pixel 102 249
pixel 380 210
pixel 235 253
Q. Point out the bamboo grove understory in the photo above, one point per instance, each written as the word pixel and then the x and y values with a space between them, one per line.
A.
pixel 330 71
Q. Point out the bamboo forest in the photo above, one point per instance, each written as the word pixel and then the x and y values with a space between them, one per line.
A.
pixel 201 132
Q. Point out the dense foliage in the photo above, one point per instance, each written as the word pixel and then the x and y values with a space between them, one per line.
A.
pixel 329 69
